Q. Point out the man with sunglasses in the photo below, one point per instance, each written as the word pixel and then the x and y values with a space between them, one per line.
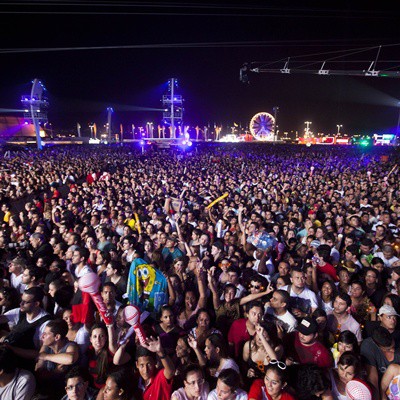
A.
pixel 29 322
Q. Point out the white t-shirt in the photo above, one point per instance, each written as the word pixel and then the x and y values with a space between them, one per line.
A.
pixel 86 269
pixel 327 307
pixel 228 363
pixel 180 394
pixel 268 264
pixel 82 338
pixel 21 387
pixel 16 282
pixel 289 322
pixel 13 317
pixel 388 263
pixel 240 395
pixel 307 295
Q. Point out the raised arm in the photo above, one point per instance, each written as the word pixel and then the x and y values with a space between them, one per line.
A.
pixel 212 219
pixel 391 371
pixel 255 296
pixel 262 266
pixel 240 218
pixel 154 345
pixel 214 291
pixel 202 290
pixel 121 357
pixel 112 339
pixel 171 292
pixel 267 347
pixel 167 205
pixel 200 356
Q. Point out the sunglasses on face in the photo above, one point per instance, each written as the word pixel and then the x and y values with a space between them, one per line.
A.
pixel 254 286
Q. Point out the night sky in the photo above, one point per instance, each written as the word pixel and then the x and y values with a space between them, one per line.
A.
pixel 204 45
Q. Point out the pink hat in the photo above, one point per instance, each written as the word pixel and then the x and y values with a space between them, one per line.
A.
pixel 358 390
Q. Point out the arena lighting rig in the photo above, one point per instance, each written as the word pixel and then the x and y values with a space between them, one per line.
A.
pixel 305 65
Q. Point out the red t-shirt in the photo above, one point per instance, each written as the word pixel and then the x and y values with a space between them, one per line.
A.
pixel 98 381
pixel 160 388
pixel 259 392
pixel 238 335
pixel 317 353
pixel 329 270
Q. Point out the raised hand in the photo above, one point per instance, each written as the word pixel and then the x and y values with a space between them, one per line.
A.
pixel 260 331
pixel 270 288
pixel 192 342
pixel 152 344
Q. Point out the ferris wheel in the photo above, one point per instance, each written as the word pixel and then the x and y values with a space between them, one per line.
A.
pixel 262 126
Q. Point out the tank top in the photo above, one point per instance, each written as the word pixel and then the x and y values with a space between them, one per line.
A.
pixel 258 367
pixel 335 392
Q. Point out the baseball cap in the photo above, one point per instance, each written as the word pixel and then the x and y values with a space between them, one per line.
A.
pixel 358 390
pixel 315 243
pixel 307 326
pixel 387 310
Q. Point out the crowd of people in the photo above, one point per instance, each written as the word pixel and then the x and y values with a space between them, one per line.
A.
pixel 277 270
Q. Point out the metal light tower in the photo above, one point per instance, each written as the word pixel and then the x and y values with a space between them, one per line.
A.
pixel 109 114
pixel 173 107
pixel 307 130
pixel 338 128
pixel 35 108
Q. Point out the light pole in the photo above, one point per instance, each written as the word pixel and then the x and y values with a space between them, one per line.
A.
pixel 275 110
pixel 338 128
pixel 91 126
